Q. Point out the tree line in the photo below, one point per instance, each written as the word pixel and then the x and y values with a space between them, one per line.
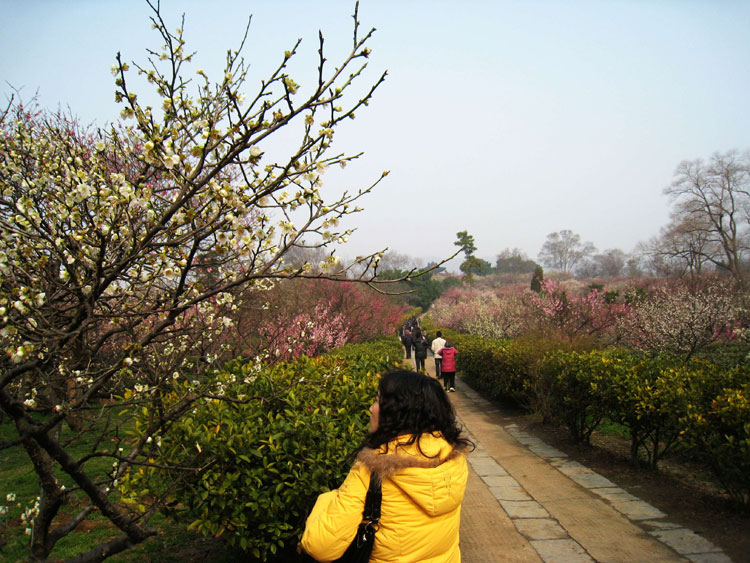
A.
pixel 708 231
pixel 709 228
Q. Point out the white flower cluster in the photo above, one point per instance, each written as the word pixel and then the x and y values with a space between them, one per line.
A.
pixel 157 441
pixel 28 516
pixel 10 497
pixel 329 264
pixel 30 400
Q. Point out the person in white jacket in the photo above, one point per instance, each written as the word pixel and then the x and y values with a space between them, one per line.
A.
pixel 436 345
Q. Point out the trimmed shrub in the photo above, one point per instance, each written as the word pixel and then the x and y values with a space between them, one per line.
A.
pixel 721 435
pixel 649 397
pixel 287 435
pixel 495 366
pixel 570 388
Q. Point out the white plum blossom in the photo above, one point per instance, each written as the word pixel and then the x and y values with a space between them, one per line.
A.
pixel 172 160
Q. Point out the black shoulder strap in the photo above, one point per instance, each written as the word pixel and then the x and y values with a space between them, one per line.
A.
pixel 371 512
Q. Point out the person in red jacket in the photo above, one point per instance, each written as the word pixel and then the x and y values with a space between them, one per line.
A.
pixel 448 367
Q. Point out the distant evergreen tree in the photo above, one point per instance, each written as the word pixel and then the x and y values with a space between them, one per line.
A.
pixel 471 265
pixel 514 262
pixel 474 265
pixel 421 289
pixel 537 279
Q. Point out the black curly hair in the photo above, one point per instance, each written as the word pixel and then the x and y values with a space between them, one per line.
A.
pixel 413 404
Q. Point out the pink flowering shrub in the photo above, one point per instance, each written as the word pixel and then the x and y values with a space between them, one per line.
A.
pixel 482 312
pixel 560 310
pixel 308 333
pixel 311 317
pixel 572 315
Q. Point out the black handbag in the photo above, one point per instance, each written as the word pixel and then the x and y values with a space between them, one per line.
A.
pixel 361 547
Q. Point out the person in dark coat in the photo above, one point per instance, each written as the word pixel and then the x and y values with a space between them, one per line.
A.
pixel 420 350
pixel 407 341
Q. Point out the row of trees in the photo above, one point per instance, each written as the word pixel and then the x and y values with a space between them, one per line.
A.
pixel 709 230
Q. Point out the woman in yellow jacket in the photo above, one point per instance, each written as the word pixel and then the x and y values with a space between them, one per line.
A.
pixel 415 446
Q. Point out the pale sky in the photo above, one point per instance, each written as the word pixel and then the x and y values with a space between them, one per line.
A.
pixel 507 119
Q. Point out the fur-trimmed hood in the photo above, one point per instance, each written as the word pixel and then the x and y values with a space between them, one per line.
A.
pixel 429 474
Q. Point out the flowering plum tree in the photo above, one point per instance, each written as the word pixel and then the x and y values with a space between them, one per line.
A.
pixel 681 317
pixel 485 313
pixel 575 314
pixel 122 251
pixel 310 317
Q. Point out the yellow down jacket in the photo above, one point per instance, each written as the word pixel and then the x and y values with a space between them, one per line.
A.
pixel 420 510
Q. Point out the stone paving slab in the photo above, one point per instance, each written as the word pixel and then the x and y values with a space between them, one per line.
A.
pixel 637 510
pixel 561 551
pixel 591 480
pixel 487 466
pixel 710 558
pixel 685 542
pixel 524 509
pixel 547 452
pixel 509 493
pixel 614 494
pixel 659 525
pixel 499 480
pixel 541 529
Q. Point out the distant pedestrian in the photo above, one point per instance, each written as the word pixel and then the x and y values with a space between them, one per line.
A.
pixel 448 353
pixel 407 341
pixel 436 345
pixel 420 350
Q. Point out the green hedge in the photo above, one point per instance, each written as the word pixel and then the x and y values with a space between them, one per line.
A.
pixel 662 401
pixel 721 436
pixel 569 388
pixel 265 459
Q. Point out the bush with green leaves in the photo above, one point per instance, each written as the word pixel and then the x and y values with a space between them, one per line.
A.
pixel 721 437
pixel 569 388
pixel 702 405
pixel 727 355
pixel 287 433
pixel 494 366
pixel 508 369
pixel 649 398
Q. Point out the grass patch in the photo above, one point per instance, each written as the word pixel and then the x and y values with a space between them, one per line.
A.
pixel 173 542
pixel 609 428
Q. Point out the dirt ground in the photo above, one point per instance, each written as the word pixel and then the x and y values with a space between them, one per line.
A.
pixel 681 490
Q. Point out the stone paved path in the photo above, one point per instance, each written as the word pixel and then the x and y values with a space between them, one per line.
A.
pixel 526 501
